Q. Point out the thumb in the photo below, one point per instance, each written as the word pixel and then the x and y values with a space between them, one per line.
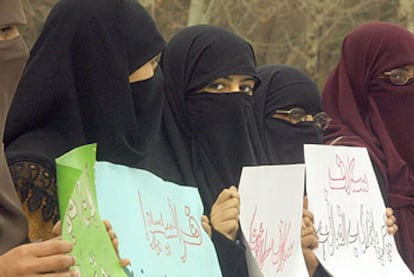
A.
pixel 305 202
pixel 233 188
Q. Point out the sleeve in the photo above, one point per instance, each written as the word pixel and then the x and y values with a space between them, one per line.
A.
pixel 321 272
pixel 231 255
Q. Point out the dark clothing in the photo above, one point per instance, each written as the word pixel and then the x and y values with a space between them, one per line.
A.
pixel 204 139
pixel 284 87
pixel 75 88
pixel 13 224
pixel 371 112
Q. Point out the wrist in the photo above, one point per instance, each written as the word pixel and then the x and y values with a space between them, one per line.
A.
pixel 2 266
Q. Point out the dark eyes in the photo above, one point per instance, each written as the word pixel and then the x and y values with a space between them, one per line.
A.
pixel 246 89
pixel 216 86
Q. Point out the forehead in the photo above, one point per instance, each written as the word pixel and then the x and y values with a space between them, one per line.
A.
pixel 239 78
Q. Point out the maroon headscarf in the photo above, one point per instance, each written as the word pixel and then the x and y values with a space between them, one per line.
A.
pixel 373 113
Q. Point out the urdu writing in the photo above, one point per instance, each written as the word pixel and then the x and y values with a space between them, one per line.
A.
pixel 160 231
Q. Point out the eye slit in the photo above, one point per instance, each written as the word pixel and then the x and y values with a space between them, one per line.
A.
pixel 6 28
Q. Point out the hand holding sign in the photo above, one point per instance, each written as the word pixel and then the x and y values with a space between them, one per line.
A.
pixel 309 239
pixel 224 216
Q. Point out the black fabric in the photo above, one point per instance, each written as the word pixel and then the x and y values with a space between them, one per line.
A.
pixel 221 141
pixel 284 87
pixel 75 88
pixel 194 58
pixel 204 139
pixel 320 272
pixel 231 255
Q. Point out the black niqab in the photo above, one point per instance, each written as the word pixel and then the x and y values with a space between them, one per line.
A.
pixel 284 87
pixel 75 88
pixel 204 139
pixel 214 125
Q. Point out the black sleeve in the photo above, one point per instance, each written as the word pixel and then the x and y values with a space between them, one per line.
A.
pixel 320 272
pixel 231 255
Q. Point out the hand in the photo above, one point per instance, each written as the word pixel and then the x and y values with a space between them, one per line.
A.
pixel 206 225
pixel 115 243
pixel 39 259
pixel 391 221
pixel 57 233
pixel 224 216
pixel 309 239
pixel 57 230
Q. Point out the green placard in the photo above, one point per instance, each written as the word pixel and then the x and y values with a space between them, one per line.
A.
pixel 81 222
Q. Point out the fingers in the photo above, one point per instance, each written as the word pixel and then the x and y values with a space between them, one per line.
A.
pixel 305 202
pixel 224 214
pixel 107 224
pixel 309 241
pixel 72 273
pixel 57 229
pixel 112 234
pixel 124 262
pixel 227 194
pixel 206 225
pixel 53 263
pixel 232 203
pixel 307 214
pixel 391 221
pixel 389 212
pixel 49 248
pixel 115 245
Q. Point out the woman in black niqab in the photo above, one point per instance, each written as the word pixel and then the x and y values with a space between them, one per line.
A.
pixel 283 88
pixel 75 90
pixel 213 126
pixel 205 139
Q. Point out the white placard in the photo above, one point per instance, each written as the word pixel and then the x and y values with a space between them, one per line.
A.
pixel 349 213
pixel 271 200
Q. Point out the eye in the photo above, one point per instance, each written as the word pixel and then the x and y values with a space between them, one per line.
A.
pixel 248 89
pixel 8 32
pixel 398 74
pixel 216 86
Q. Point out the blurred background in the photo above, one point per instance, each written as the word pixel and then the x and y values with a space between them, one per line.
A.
pixel 303 33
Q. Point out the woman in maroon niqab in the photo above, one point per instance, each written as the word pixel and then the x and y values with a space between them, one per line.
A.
pixel 372 112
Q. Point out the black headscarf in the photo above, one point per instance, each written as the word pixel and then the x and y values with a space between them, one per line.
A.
pixel 204 139
pixel 212 126
pixel 284 87
pixel 75 89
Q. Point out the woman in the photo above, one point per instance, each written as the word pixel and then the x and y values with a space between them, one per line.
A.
pixel 289 114
pixel 29 259
pixel 369 96
pixel 209 78
pixel 82 85
pixel 282 133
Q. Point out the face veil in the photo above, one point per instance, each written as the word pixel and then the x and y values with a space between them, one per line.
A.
pixel 364 113
pixel 81 94
pixel 284 87
pixel 212 126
